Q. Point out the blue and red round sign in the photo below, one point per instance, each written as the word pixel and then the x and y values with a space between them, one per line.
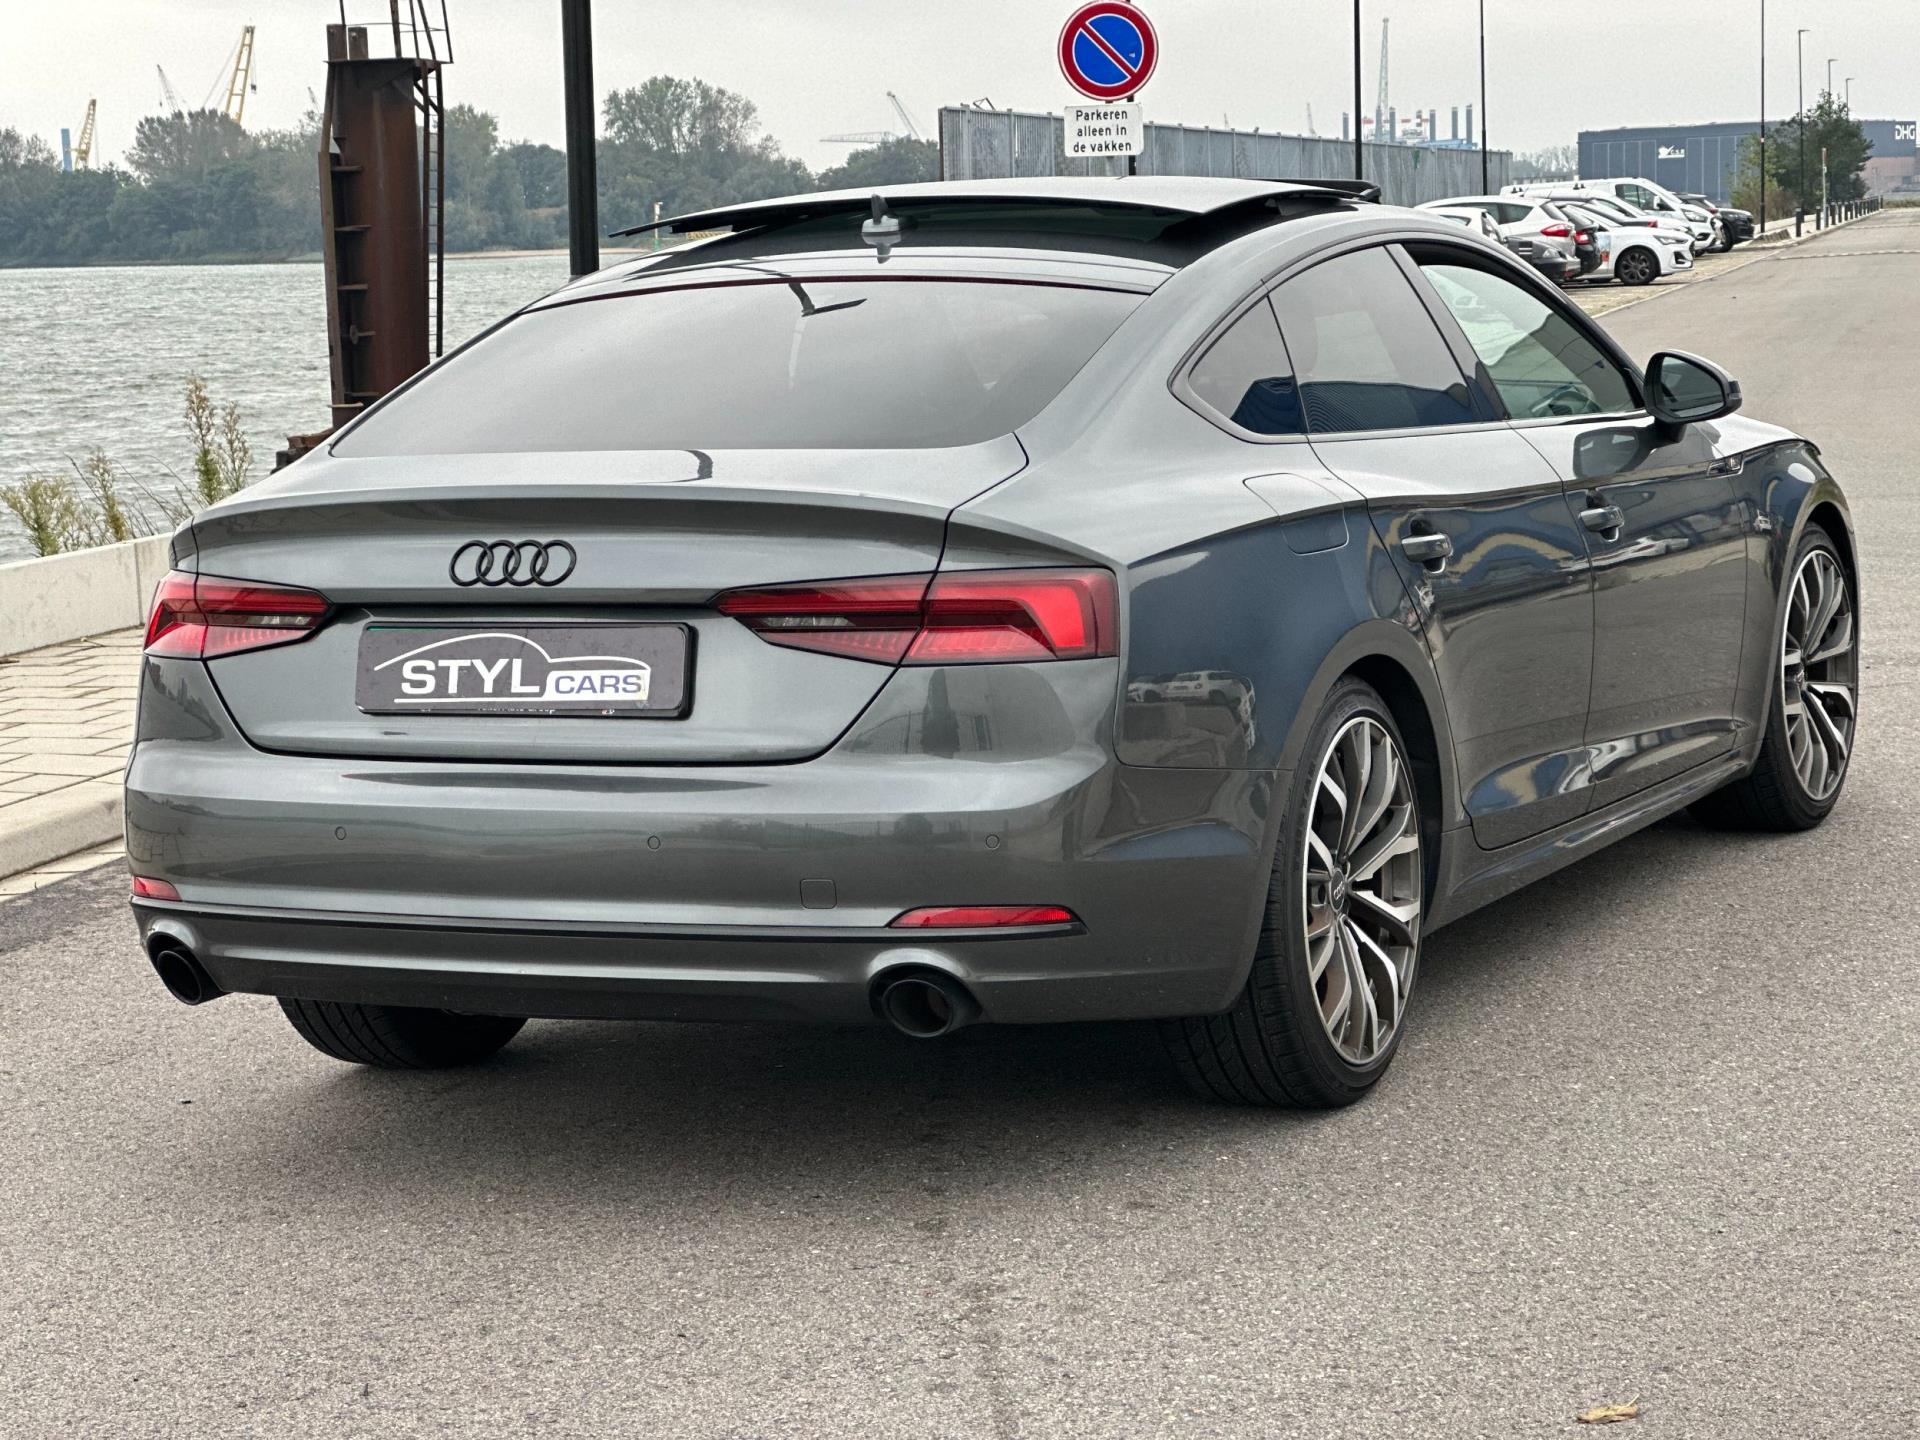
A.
pixel 1108 50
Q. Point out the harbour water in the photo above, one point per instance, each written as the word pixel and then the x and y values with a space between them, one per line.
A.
pixel 97 358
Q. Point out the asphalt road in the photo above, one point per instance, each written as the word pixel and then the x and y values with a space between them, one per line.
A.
pixel 1652 1135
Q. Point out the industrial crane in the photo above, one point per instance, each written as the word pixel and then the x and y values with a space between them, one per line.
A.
pixel 84 149
pixel 878 137
pixel 169 97
pixel 238 80
pixel 913 130
pixel 1381 104
pixel 242 81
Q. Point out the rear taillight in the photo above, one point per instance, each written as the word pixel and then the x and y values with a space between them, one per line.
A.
pixel 201 617
pixel 1581 237
pixel 147 888
pixel 1559 232
pixel 982 917
pixel 965 617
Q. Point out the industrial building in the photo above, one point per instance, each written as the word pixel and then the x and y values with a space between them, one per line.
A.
pixel 1702 158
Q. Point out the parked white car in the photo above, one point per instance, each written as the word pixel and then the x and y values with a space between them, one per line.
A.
pixel 1645 247
pixel 1471 216
pixel 1642 194
pixel 1529 217
pixel 1530 227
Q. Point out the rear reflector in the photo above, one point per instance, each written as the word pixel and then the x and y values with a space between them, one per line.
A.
pixel 201 617
pixel 963 617
pixel 145 889
pixel 981 917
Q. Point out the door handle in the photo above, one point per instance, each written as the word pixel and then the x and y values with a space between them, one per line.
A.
pixel 1604 520
pixel 1428 549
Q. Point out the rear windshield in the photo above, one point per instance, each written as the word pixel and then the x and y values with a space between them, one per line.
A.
pixel 867 363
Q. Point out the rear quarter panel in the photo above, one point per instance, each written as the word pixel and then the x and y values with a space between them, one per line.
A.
pixel 1252 580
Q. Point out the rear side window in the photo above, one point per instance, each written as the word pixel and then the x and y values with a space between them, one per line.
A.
pixel 1365 352
pixel 868 363
pixel 1245 377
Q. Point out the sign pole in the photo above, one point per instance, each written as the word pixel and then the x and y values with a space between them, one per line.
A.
pixel 1761 232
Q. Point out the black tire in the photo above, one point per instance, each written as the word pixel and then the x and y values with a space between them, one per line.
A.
pixel 1772 795
pixel 398 1037
pixel 1272 1047
pixel 1638 266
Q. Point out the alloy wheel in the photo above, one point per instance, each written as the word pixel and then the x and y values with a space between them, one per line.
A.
pixel 1818 674
pixel 1361 877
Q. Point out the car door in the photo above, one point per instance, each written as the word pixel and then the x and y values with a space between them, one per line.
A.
pixel 1659 206
pixel 1665 529
pixel 1477 522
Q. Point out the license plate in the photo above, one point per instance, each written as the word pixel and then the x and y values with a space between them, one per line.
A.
pixel 588 670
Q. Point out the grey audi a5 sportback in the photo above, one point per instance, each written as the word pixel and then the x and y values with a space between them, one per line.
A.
pixel 1016 602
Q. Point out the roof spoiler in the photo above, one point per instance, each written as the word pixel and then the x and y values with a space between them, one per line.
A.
pixel 1356 189
pixel 858 202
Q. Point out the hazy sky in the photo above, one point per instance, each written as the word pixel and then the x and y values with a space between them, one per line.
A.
pixel 824 66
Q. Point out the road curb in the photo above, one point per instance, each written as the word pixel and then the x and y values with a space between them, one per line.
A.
pixel 52 826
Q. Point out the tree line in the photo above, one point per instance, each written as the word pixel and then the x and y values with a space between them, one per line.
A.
pixel 1794 175
pixel 196 186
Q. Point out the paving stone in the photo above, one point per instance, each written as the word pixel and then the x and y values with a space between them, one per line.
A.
pixel 66 720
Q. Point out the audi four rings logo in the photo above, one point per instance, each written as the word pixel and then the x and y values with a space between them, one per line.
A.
pixel 512 562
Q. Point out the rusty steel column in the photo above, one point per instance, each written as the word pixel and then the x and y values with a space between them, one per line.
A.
pixel 372 228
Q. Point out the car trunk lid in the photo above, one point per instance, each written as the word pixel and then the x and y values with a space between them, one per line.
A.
pixel 652 537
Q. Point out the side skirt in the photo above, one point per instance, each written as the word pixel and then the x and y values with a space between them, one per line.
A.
pixel 1471 877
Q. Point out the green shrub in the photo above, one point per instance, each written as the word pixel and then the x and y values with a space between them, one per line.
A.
pixel 47 510
pixel 222 454
pixel 57 517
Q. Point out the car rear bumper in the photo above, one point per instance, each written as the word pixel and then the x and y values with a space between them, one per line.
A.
pixel 709 892
pixel 797 973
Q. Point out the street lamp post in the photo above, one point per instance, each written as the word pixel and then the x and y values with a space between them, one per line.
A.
pixel 1800 124
pixel 1485 184
pixel 1359 153
pixel 1821 224
pixel 1763 119
pixel 583 197
pixel 1848 82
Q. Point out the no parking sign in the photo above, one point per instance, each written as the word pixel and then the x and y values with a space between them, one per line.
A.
pixel 1108 50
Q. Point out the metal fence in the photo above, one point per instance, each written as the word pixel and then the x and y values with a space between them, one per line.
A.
pixel 996 144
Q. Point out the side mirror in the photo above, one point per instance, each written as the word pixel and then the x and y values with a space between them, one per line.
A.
pixel 1684 389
